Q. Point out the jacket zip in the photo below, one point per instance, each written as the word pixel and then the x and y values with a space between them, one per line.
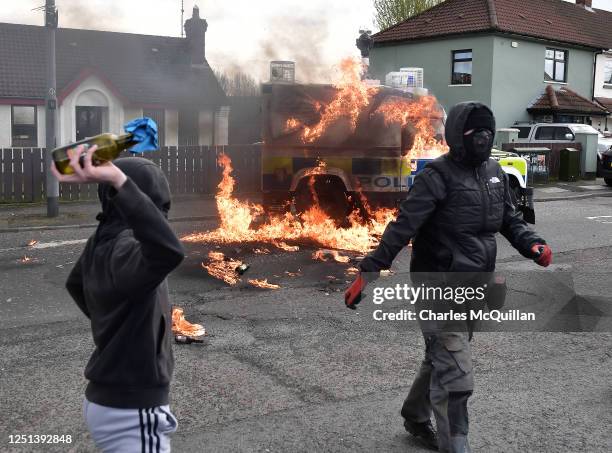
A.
pixel 486 204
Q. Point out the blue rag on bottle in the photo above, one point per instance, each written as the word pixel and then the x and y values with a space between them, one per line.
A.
pixel 144 131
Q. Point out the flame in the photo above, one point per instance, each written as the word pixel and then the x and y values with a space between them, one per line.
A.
pixel 221 268
pixel 325 255
pixel 353 96
pixel 313 225
pixel 25 259
pixel 183 327
pixel 263 284
pixel 261 251
pixel 32 243
pixel 419 115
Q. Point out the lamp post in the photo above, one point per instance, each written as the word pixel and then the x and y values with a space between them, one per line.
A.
pixel 51 183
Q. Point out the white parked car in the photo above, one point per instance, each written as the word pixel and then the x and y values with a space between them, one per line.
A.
pixel 559 133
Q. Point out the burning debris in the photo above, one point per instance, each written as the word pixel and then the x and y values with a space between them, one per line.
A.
pixel 263 284
pixel 293 274
pixel 180 326
pixel 32 243
pixel 261 251
pixel 223 268
pixel 327 255
pixel 26 259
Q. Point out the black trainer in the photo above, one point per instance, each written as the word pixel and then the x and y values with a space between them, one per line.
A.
pixel 424 432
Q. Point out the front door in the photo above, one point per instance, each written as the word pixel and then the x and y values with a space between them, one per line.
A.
pixel 88 122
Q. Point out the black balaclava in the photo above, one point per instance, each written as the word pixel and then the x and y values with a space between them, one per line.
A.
pixel 148 177
pixel 479 143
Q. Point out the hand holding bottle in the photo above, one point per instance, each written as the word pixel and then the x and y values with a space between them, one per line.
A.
pixel 106 172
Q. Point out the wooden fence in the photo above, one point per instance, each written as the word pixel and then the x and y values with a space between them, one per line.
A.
pixel 189 169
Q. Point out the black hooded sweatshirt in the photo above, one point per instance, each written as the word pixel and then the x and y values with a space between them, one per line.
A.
pixel 453 212
pixel 119 282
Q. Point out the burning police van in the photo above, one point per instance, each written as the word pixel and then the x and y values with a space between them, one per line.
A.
pixel 354 146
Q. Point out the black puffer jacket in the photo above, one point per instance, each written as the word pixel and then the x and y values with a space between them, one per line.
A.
pixel 453 212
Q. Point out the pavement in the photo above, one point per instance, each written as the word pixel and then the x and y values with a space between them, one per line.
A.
pixel 32 216
pixel 292 370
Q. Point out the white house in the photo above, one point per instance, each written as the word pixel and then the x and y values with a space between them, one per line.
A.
pixel 603 85
pixel 105 79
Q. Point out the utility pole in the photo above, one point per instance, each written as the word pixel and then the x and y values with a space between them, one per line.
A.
pixel 182 16
pixel 51 183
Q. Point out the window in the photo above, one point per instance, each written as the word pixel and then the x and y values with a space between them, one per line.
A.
pixel 545 133
pixel 523 132
pixel 23 126
pixel 608 72
pixel 561 132
pixel 157 115
pixel 188 131
pixel 555 65
pixel 462 67
pixel 550 133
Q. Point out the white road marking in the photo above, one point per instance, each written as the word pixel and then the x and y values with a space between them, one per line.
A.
pixel 606 219
pixel 45 245
pixel 52 244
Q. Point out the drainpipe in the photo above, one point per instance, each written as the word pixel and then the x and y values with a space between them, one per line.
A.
pixel 595 54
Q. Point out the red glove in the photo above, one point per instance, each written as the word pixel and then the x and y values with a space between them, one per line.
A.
pixel 352 296
pixel 542 254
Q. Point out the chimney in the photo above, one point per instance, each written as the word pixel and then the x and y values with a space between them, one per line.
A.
pixel 585 3
pixel 195 34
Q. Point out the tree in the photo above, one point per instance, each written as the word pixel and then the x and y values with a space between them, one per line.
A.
pixel 391 12
pixel 238 84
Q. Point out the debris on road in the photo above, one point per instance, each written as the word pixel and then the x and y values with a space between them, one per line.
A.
pixel 242 268
pixel 32 243
pixel 180 326
pixel 223 268
pixel 326 255
pixel 263 284
pixel 183 339
pixel 293 274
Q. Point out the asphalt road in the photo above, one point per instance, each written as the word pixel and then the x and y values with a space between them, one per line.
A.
pixel 292 370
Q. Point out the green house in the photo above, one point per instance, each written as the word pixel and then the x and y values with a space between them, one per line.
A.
pixel 504 53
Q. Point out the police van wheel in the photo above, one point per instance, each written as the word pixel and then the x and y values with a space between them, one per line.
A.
pixel 515 191
pixel 330 192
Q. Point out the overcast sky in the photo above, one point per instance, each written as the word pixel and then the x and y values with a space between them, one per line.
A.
pixel 243 34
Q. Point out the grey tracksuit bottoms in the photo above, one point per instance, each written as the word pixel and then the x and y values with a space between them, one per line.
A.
pixel 144 430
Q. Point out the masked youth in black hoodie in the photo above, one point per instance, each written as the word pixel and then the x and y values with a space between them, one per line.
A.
pixel 119 282
pixel 457 205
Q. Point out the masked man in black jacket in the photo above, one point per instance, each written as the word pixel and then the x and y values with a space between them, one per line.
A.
pixel 452 213
pixel 119 282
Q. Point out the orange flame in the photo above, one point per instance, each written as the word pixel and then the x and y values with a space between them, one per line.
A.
pixel 314 226
pixel 221 268
pixel 353 96
pixel 263 284
pixel 183 327
pixel 32 243
pixel 326 255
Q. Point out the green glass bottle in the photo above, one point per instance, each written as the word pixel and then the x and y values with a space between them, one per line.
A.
pixel 110 147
